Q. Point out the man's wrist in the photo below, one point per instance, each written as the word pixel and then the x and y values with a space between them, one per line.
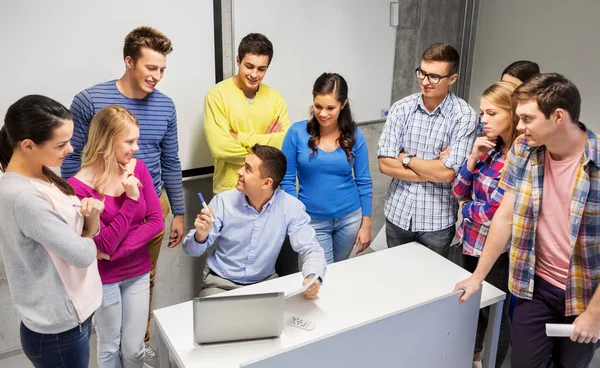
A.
pixel 406 160
pixel 594 311
pixel 198 240
pixel 477 277
pixel 311 275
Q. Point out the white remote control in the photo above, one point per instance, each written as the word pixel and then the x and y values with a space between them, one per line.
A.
pixel 300 323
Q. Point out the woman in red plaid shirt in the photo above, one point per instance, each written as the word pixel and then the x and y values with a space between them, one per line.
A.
pixel 476 187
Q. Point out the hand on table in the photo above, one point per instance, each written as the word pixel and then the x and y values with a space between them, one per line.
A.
pixel 470 287
pixel 313 290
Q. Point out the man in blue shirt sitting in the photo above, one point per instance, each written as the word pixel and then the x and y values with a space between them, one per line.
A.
pixel 250 223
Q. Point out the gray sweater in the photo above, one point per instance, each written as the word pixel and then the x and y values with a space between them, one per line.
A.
pixel 30 228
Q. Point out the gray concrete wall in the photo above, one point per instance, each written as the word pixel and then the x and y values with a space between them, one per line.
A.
pixel 521 30
pixel 424 22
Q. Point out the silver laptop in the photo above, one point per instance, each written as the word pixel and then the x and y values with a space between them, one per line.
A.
pixel 238 317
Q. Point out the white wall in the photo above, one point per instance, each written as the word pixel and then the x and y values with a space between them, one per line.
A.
pixel 350 37
pixel 561 36
pixel 58 48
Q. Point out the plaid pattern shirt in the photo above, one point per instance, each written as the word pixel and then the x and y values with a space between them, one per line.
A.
pixel 481 186
pixel 524 176
pixel 412 129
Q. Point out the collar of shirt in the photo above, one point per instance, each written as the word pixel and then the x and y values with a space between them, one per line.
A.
pixel 592 147
pixel 266 207
pixel 591 152
pixel 492 155
pixel 443 108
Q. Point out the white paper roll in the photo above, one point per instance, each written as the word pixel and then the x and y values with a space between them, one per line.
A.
pixel 559 330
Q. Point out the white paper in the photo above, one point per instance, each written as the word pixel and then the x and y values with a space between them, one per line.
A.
pixel 559 330
pixel 289 294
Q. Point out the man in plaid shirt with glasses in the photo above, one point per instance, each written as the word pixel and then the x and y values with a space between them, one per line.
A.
pixel 550 218
pixel 424 142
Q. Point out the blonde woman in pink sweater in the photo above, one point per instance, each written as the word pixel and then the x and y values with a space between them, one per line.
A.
pixel 132 217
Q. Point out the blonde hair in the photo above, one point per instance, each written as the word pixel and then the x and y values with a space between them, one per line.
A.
pixel 500 95
pixel 108 126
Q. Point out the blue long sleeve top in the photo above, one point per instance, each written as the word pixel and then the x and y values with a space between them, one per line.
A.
pixel 329 185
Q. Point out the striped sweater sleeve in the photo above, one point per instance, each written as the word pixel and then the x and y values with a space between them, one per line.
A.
pixel 82 109
pixel 171 166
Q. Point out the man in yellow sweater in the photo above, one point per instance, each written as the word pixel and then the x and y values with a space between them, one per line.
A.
pixel 240 112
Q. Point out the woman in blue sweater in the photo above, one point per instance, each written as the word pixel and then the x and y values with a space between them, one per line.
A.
pixel 329 155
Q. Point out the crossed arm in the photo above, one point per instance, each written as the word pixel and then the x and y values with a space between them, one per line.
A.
pixel 418 170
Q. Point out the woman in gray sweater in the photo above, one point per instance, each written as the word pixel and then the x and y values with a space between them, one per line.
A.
pixel 46 236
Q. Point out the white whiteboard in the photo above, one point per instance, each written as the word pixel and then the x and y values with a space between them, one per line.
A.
pixel 558 35
pixel 350 37
pixel 60 47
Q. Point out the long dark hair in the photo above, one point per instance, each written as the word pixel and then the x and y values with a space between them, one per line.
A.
pixel 334 83
pixel 33 117
pixel 522 70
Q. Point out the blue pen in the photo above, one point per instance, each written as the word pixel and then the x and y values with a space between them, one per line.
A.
pixel 204 205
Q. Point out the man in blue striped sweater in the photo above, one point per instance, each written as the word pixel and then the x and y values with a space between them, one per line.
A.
pixel 145 53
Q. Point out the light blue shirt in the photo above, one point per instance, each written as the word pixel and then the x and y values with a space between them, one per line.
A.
pixel 249 242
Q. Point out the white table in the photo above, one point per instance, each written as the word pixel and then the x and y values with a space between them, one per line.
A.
pixel 355 292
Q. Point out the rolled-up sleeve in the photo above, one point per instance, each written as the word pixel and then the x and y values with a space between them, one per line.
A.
pixel 462 140
pixel 390 140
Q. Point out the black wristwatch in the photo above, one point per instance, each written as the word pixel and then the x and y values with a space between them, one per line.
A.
pixel 406 160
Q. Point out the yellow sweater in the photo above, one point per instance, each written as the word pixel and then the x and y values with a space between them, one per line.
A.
pixel 226 109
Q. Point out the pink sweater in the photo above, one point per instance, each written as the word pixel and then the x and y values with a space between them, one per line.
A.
pixel 126 227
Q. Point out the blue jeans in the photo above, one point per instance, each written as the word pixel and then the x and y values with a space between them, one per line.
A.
pixel 69 349
pixel 438 241
pixel 121 322
pixel 337 236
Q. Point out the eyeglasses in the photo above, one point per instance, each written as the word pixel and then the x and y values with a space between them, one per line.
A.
pixel 433 78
